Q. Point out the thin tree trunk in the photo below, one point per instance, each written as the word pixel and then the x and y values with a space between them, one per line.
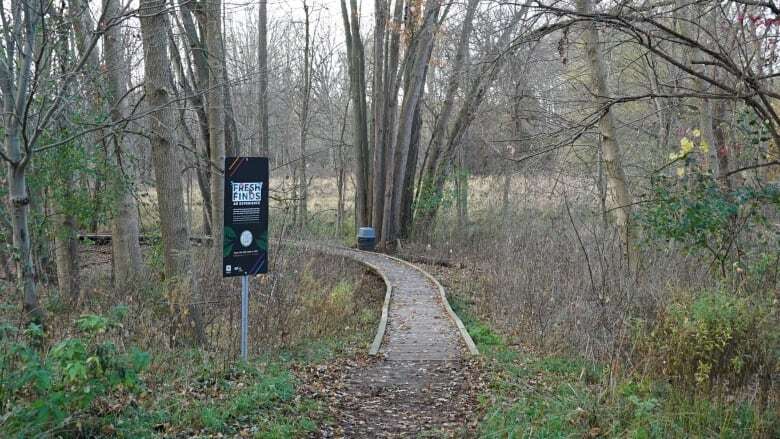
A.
pixel 416 64
pixel 438 137
pixel 462 182
pixel 262 57
pixel 407 195
pixel 66 245
pixel 127 261
pixel 304 193
pixel 200 77
pixel 232 142
pixel 14 85
pixel 378 114
pixel 216 118
pixel 173 217
pixel 616 180
pixel 356 61
pixel 435 172
pixel 340 179
pixel 660 111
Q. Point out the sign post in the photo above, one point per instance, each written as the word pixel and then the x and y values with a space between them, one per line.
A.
pixel 244 315
pixel 245 236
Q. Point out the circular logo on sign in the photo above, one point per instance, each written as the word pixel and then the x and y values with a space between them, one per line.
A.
pixel 246 238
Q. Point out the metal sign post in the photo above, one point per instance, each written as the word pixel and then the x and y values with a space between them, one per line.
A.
pixel 244 315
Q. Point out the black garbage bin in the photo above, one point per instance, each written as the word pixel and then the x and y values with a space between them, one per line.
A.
pixel 366 238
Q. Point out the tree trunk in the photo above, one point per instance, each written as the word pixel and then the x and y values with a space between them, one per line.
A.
pixel 20 206
pixel 440 128
pixel 462 183
pixel 304 193
pixel 417 62
pixel 378 115
pixel 407 196
pixel 442 148
pixel 127 261
pixel 262 59
pixel 216 118
pixel 389 116
pixel 200 77
pixel 356 67
pixel 616 180
pixel 14 85
pixel 182 284
pixel 340 179
pixel 232 142
pixel 66 245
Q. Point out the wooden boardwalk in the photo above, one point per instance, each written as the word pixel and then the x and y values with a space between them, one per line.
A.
pixel 421 380
pixel 417 322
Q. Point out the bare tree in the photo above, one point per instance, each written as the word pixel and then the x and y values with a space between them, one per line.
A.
pixel 26 118
pixel 620 198
pixel 173 223
pixel 357 78
pixel 443 120
pixel 303 195
pixel 216 118
pixel 127 262
pixel 445 140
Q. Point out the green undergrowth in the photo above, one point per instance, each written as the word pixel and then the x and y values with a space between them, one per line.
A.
pixel 538 396
pixel 209 396
pixel 93 380
pixel 252 400
pixel 77 390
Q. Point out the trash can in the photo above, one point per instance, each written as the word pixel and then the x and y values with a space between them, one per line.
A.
pixel 366 238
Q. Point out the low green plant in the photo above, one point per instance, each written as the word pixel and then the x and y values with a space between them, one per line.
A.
pixel 43 392
pixel 697 212
pixel 250 399
pixel 536 396
pixel 713 338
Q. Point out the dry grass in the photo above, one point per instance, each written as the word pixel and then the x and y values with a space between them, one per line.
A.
pixel 549 280
pixel 484 195
pixel 307 296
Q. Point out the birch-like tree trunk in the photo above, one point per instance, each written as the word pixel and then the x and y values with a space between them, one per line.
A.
pixel 15 73
pixel 616 181
pixel 182 283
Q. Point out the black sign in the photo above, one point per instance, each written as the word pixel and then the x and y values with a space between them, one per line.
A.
pixel 245 246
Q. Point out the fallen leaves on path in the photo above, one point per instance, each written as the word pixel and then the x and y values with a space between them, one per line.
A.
pixel 373 397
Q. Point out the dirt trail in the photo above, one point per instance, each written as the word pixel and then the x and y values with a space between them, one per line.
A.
pixel 423 381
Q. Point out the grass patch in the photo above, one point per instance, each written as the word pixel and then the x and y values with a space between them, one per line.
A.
pixel 530 396
pixel 254 400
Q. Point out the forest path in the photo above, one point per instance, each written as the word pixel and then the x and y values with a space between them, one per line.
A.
pixel 420 381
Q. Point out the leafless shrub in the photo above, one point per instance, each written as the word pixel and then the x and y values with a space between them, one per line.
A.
pixel 555 277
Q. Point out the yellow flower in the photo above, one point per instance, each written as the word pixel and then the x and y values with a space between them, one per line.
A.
pixel 686 146
pixel 681 172
pixel 696 133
